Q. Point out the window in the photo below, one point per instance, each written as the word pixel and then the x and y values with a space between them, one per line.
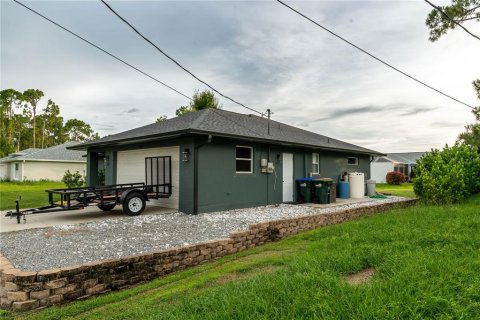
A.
pixel 16 166
pixel 315 163
pixel 244 159
pixel 400 168
pixel 352 161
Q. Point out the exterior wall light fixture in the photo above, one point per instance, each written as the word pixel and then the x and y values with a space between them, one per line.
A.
pixel 186 155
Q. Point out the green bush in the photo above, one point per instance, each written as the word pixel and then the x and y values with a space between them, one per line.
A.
pixel 73 180
pixel 395 177
pixel 447 176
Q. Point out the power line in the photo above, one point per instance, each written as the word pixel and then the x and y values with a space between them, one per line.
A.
pixel 103 50
pixel 175 61
pixel 439 9
pixel 372 56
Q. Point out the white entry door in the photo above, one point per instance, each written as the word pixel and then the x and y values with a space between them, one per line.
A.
pixel 287 177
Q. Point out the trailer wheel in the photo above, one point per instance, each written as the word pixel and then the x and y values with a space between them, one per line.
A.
pixel 107 207
pixel 134 204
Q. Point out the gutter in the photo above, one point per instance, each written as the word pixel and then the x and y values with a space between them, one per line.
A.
pixel 44 160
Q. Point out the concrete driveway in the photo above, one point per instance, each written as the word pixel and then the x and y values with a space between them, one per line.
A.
pixel 89 214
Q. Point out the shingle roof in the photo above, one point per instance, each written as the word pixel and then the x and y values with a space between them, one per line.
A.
pixel 55 153
pixel 228 124
pixel 404 157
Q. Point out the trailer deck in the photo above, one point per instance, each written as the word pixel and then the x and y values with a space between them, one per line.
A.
pixel 132 196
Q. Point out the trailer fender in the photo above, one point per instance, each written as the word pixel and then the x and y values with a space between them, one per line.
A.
pixel 127 192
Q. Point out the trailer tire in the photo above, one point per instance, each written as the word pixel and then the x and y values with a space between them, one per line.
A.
pixel 134 204
pixel 107 207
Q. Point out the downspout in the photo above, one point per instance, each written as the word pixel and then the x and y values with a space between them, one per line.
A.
pixel 195 172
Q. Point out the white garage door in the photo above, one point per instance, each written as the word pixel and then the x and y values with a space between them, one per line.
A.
pixel 131 168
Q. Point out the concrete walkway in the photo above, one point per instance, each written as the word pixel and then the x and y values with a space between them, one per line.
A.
pixel 72 217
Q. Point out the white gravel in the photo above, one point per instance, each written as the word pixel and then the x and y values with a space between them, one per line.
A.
pixel 54 247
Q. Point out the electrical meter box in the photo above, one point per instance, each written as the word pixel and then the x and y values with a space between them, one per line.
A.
pixel 270 167
pixel 263 165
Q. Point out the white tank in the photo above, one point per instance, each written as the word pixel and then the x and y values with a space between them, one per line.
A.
pixel 357 184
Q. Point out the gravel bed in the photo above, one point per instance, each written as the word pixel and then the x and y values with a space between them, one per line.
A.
pixel 58 246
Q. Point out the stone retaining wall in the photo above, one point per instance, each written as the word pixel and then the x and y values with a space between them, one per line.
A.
pixel 21 290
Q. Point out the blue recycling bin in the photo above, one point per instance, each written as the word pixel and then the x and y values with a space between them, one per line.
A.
pixel 343 190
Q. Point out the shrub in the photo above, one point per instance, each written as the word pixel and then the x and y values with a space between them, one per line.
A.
pixel 447 176
pixel 395 177
pixel 73 180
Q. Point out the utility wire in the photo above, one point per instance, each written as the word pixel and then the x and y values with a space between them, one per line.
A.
pixel 372 56
pixel 175 61
pixel 439 9
pixel 103 50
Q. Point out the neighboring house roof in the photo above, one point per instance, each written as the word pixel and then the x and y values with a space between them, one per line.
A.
pixel 226 124
pixel 406 157
pixel 55 153
pixel 403 157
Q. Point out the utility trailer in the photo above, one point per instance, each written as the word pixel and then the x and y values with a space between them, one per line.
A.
pixel 132 196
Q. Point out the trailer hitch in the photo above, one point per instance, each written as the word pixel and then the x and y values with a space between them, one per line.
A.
pixel 17 213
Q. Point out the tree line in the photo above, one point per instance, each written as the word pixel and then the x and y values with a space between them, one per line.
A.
pixel 27 124
pixel 443 19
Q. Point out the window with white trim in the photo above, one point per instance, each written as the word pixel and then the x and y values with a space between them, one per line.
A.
pixel 352 161
pixel 244 159
pixel 315 163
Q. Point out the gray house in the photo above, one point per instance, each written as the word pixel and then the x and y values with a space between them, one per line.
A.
pixel 224 160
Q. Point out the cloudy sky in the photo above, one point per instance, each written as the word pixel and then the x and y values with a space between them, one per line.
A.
pixel 257 52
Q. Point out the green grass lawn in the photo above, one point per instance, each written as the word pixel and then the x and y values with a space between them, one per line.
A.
pixel 426 259
pixel 33 193
pixel 403 190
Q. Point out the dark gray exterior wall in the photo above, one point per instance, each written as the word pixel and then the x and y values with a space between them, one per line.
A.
pixel 332 164
pixel 186 191
pixel 219 186
pixel 110 164
pixel 92 168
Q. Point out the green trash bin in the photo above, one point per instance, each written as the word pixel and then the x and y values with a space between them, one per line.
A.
pixel 304 190
pixel 321 190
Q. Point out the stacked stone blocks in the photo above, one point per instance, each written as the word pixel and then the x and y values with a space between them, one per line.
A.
pixel 21 291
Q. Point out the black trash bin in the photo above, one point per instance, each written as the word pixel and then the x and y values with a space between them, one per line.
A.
pixel 304 190
pixel 322 190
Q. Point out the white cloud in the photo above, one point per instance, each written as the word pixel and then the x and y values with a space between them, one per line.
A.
pixel 260 54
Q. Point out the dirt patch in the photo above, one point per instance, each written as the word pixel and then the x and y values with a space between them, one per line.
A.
pixel 360 277
pixel 246 275
pixel 63 233
pixel 267 254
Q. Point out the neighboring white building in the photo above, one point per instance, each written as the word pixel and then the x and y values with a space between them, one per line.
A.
pixel 403 162
pixel 36 164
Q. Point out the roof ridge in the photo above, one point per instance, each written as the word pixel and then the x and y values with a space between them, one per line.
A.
pixel 201 118
pixel 239 124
